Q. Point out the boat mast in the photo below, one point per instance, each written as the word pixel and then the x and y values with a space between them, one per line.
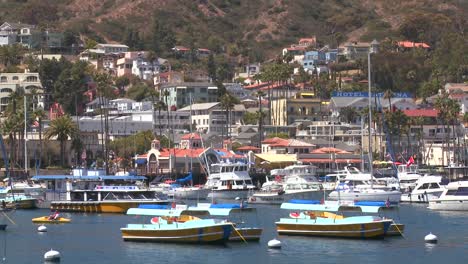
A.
pixel 370 115
pixel 191 136
pixel 25 138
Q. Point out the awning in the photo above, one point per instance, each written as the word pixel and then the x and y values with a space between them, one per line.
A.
pixel 141 161
pixel 331 161
pixel 277 158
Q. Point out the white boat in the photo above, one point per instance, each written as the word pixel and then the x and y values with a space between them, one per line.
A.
pixel 408 176
pixel 427 189
pixel 229 181
pixel 178 192
pixel 454 198
pixel 292 182
pixel 359 186
pixel 174 189
pixel 330 181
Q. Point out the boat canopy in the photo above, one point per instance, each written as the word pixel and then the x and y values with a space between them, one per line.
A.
pixel 89 178
pixel 363 207
pixel 186 179
pixel 165 212
pixel 154 206
pixel 220 209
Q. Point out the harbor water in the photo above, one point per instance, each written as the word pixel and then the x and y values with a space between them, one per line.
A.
pixel 95 238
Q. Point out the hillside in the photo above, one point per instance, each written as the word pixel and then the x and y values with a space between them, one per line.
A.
pixel 233 25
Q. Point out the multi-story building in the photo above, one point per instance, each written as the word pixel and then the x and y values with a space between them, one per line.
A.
pixel 180 93
pixel 302 106
pixel 359 50
pixel 29 82
pixel 210 117
pixel 29 36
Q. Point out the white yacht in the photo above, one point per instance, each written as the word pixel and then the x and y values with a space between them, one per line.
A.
pixel 292 182
pixel 330 181
pixel 408 176
pixel 359 186
pixel 427 189
pixel 454 198
pixel 177 189
pixel 229 181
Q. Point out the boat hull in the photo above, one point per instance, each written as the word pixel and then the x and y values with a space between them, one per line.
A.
pixel 396 230
pixel 228 194
pixel 376 229
pixel 247 233
pixel 393 197
pixel 22 203
pixel 151 233
pixel 420 198
pixel 187 194
pixel 46 220
pixel 449 205
pixel 275 198
pixel 111 206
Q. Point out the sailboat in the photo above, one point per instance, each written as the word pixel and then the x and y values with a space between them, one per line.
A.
pixel 348 189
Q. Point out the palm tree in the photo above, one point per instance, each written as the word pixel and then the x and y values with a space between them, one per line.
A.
pixel 419 121
pixel 62 128
pixel 388 95
pixel 261 114
pixel 227 103
pixel 442 105
pixel 160 105
pixel 38 115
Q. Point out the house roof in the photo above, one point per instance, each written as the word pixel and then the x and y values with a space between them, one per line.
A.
pixel 180 48
pixel 410 44
pixel 313 39
pixel 112 45
pixel 329 150
pixel 421 112
pixel 280 142
pixel 201 106
pixel 452 87
pixel 193 153
pixel 246 148
pixel 191 136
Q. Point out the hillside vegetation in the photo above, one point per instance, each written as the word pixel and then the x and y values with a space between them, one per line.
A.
pixel 255 28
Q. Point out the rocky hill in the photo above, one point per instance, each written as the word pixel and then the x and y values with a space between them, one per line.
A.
pixel 261 25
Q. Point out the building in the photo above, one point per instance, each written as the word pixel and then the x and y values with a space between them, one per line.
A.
pixel 9 33
pixel 12 82
pixel 286 146
pixel 210 117
pixel 360 101
pixel 180 93
pixel 111 48
pixel 359 50
pixel 168 77
pixel 302 106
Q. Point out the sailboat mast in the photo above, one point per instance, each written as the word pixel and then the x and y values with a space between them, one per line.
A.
pixel 25 138
pixel 370 114
pixel 191 133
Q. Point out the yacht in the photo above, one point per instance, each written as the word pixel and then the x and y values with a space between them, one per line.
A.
pixel 176 189
pixel 408 176
pixel 292 182
pixel 427 189
pixel 454 198
pixel 359 186
pixel 229 181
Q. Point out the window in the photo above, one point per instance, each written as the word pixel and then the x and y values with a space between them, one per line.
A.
pixel 15 78
pixel 6 90
pixel 3 79
pixel 31 79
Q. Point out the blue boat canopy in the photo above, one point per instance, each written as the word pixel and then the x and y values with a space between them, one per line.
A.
pixel 296 201
pixel 370 203
pixel 165 212
pixel 154 206
pixel 226 206
pixel 186 179
pixel 141 161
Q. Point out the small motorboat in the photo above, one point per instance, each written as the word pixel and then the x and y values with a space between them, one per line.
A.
pixel 51 220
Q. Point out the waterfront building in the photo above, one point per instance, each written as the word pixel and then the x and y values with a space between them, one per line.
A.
pixel 302 106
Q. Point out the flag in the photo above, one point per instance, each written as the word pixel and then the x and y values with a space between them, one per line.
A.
pixel 387 203
pixel 410 161
pixel 173 205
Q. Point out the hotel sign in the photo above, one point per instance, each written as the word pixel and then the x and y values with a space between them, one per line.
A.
pixel 366 94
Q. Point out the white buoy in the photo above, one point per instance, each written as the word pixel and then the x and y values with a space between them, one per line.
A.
pixel 431 238
pixel 274 243
pixel 42 228
pixel 52 255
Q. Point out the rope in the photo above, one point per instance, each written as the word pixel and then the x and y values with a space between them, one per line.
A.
pixel 399 231
pixel 9 218
pixel 238 233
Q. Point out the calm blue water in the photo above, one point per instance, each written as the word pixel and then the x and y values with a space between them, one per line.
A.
pixel 95 238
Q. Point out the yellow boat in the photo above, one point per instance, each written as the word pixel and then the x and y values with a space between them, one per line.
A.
pixel 167 227
pixel 319 219
pixel 49 220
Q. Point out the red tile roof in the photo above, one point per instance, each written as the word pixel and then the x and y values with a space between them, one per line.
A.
pixel 410 44
pixel 191 136
pixel 245 148
pixel 314 39
pixel 181 153
pixel 421 112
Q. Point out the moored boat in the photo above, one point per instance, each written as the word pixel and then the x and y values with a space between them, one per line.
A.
pixel 427 188
pixel 229 181
pixel 324 220
pixel 454 198
pixel 169 225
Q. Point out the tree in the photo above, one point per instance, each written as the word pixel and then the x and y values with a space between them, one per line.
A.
pixel 211 65
pixel 227 103
pixel 38 115
pixel 160 105
pixel 348 114
pixel 62 128
pixel 261 116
